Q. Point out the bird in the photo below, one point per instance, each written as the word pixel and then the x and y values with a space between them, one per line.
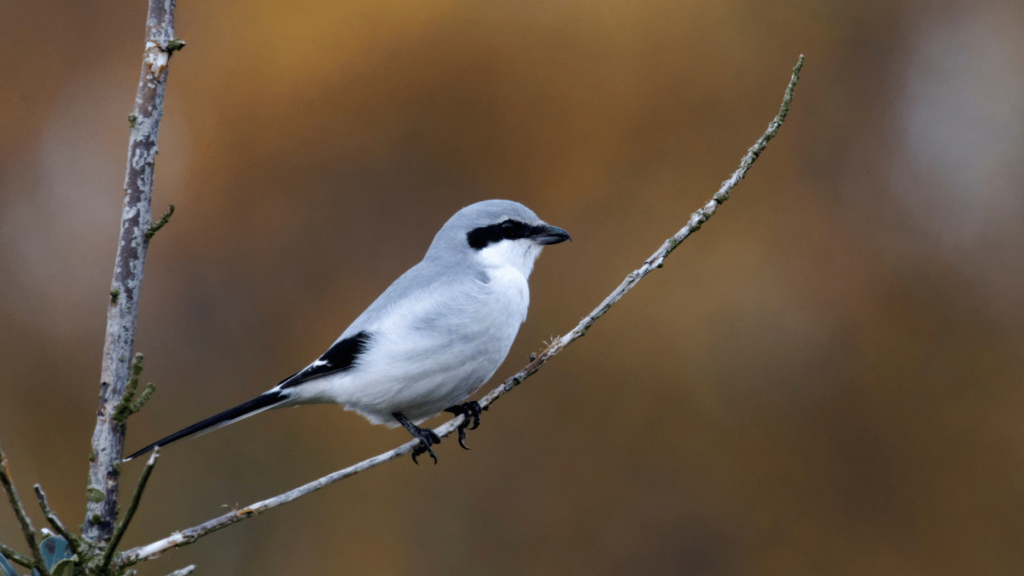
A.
pixel 431 339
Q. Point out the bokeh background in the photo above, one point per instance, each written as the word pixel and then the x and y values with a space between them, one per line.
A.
pixel 827 379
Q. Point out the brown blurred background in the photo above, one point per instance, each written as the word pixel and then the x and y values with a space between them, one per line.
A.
pixel 827 379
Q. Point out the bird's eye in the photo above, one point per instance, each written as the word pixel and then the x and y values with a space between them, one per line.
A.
pixel 508 224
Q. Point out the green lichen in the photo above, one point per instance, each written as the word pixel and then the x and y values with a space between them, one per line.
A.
pixel 92 458
pixel 114 294
pixel 94 495
pixel 154 228
pixel 126 407
pixel 133 119
pixel 175 45
pixel 143 397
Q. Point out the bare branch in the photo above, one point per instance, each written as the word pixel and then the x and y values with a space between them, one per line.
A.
pixel 183 571
pixel 16 557
pixel 122 526
pixel 123 307
pixel 51 517
pixel 19 511
pixel 656 260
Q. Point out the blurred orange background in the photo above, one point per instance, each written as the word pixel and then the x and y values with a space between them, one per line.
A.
pixel 826 379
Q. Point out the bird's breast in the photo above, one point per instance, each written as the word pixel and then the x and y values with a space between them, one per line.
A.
pixel 510 292
pixel 430 353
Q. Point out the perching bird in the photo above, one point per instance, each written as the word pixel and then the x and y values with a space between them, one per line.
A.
pixel 432 339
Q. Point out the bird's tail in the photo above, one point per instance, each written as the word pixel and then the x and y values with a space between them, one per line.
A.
pixel 256 405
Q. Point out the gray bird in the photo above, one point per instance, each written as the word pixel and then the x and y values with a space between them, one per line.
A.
pixel 432 339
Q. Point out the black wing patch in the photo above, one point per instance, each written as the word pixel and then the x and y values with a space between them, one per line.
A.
pixel 338 358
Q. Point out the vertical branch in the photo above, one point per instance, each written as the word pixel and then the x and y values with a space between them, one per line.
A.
pixel 123 307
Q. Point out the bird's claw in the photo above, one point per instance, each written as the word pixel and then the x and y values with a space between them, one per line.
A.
pixel 427 439
pixel 426 436
pixel 471 414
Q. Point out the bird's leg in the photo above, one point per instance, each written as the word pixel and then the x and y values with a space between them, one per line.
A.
pixel 426 436
pixel 471 412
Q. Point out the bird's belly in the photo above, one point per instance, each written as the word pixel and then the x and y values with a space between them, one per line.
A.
pixel 438 358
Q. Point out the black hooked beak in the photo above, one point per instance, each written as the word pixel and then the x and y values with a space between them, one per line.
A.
pixel 545 234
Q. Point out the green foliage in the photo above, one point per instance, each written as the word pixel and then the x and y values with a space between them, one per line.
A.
pixel 57 556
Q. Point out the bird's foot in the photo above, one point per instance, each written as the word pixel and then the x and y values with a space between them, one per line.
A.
pixel 426 436
pixel 471 412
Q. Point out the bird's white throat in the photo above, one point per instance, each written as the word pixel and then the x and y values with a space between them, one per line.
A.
pixel 517 254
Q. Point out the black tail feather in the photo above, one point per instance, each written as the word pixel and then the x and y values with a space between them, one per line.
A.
pixel 259 403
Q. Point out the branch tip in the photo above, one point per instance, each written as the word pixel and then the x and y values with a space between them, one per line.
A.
pixel 154 228
pixel 54 521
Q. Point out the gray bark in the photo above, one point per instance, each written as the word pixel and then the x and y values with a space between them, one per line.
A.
pixel 123 306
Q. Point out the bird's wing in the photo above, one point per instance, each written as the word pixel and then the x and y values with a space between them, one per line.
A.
pixel 339 357
pixel 417 282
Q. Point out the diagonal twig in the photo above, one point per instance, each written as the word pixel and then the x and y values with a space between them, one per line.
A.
pixel 122 526
pixel 19 511
pixel 15 556
pixel 656 260
pixel 54 521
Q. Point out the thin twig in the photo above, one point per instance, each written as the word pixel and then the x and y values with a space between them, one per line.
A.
pixel 123 306
pixel 16 557
pixel 122 526
pixel 656 260
pixel 143 397
pixel 154 228
pixel 19 511
pixel 54 521
pixel 183 571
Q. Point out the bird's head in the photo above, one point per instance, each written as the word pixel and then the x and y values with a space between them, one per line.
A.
pixel 497 233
